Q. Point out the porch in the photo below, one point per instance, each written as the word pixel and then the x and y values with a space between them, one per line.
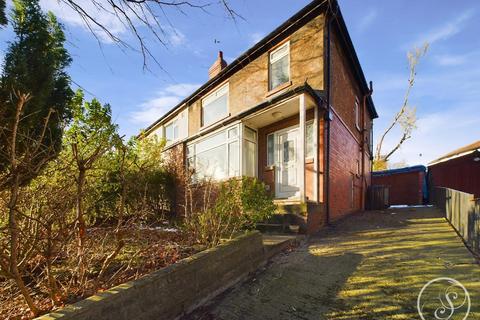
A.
pixel 282 145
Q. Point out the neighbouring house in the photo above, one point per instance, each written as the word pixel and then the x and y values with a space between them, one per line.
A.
pixel 294 110
pixel 459 170
pixel 406 186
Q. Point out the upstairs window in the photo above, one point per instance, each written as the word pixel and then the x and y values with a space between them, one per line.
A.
pixel 171 131
pixel 279 67
pixel 215 106
pixel 177 128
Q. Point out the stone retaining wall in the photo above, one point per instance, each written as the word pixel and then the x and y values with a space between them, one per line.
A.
pixel 175 290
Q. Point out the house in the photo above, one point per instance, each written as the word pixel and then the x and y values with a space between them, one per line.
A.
pixel 459 170
pixel 406 186
pixel 294 110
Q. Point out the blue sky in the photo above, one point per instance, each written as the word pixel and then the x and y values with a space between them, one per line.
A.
pixel 446 94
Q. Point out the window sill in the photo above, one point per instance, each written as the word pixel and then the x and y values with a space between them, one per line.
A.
pixel 279 88
pixel 309 160
pixel 269 168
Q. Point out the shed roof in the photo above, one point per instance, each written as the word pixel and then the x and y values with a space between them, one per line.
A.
pixel 418 168
pixel 458 152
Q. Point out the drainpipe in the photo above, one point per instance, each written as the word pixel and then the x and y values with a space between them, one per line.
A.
pixel 327 123
pixel 362 148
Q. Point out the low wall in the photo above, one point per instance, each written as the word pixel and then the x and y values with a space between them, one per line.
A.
pixel 463 212
pixel 175 290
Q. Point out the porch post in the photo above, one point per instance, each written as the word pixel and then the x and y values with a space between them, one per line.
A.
pixel 301 147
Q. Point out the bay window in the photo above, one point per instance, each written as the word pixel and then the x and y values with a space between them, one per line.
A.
pixel 218 156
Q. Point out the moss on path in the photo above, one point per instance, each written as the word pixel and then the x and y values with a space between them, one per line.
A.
pixel 371 265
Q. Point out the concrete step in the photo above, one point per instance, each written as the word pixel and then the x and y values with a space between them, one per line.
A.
pixel 275 244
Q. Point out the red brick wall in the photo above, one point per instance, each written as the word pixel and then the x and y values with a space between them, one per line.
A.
pixel 461 174
pixel 344 154
pixel 347 185
pixel 404 188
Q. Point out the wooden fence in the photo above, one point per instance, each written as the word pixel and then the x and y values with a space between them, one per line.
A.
pixel 463 212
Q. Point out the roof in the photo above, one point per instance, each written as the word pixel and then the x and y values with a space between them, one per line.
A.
pixel 419 168
pixel 318 96
pixel 292 24
pixel 458 153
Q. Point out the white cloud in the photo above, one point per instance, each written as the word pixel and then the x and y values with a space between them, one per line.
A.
pixel 450 60
pixel 367 19
pixel 446 31
pixel 163 101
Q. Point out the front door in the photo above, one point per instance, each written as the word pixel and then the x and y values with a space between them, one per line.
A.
pixel 287 166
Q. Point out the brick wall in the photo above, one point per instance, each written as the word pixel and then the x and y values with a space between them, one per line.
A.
pixel 461 174
pixel 345 183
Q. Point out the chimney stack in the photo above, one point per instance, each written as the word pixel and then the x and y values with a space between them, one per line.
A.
pixel 217 66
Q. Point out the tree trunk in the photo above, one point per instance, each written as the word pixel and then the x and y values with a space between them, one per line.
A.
pixel 81 228
pixel 14 235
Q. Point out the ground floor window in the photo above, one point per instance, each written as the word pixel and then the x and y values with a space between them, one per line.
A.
pixel 227 153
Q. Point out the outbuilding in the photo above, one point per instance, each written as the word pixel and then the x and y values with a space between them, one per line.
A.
pixel 406 186
pixel 459 170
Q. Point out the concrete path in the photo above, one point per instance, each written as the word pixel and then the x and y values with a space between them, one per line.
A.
pixel 369 266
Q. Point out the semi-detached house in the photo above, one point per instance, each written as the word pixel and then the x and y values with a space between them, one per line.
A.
pixel 294 110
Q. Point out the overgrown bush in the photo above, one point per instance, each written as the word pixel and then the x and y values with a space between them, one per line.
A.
pixel 230 207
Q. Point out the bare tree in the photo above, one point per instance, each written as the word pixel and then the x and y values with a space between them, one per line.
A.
pixel 139 15
pixel 406 117
pixel 23 163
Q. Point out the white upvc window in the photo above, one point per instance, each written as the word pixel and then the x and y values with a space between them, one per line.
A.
pixel 357 113
pixel 249 152
pixel 279 66
pixel 227 153
pixel 171 131
pixel 309 140
pixel 215 106
pixel 177 128
pixel 216 156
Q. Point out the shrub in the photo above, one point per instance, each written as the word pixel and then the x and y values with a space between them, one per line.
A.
pixel 238 205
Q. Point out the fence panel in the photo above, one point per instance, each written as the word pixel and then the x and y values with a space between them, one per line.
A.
pixel 463 212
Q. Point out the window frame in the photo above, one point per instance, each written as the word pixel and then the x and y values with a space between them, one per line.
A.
pixel 192 150
pixel 174 124
pixel 310 123
pixel 357 113
pixel 211 95
pixel 270 53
